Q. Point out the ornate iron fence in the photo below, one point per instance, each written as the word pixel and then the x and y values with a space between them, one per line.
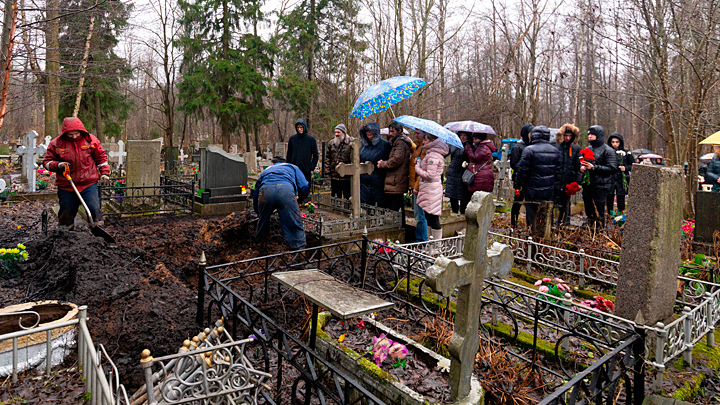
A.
pixel 372 218
pixel 170 196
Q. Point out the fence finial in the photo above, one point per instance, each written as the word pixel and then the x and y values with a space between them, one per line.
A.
pixel 203 261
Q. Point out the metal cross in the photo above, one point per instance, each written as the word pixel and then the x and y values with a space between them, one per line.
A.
pixel 120 153
pixel 467 274
pixel 355 170
pixel 29 151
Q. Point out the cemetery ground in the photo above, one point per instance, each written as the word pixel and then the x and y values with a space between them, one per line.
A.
pixel 142 294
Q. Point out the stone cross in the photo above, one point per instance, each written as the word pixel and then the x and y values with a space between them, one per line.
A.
pixel 503 165
pixel 182 156
pixel 355 169
pixel 467 274
pixel 48 138
pixel 120 153
pixel 29 152
pixel 2 185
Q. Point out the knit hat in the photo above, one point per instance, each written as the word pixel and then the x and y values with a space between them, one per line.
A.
pixel 342 128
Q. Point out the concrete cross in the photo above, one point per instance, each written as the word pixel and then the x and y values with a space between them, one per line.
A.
pixel 467 274
pixel 29 152
pixel 503 166
pixel 182 156
pixel 48 138
pixel 120 153
pixel 2 185
pixel 355 170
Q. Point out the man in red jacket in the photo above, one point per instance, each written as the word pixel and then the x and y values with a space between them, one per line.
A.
pixel 82 153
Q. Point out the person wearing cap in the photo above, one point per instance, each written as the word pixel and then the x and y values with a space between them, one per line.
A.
pixel 280 187
pixel 340 151
pixel 602 171
pixel 82 154
pixel 396 168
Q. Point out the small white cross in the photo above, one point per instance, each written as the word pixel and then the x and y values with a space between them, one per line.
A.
pixel 2 185
pixel 29 154
pixel 182 156
pixel 120 153
pixel 48 138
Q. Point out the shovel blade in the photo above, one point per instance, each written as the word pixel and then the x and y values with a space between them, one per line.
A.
pixel 97 231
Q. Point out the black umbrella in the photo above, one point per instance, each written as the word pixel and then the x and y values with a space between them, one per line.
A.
pixel 642 151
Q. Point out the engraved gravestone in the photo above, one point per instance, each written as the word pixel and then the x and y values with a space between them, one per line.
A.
pixel 221 169
pixel 143 165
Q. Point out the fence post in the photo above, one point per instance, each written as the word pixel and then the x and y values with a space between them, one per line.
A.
pixel 363 258
pixel 659 357
pixel 711 319
pixel 146 363
pixel 639 367
pixel 687 336
pixel 199 317
pixel 581 280
pixel 529 255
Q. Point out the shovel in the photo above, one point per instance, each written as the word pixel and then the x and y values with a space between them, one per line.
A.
pixel 94 228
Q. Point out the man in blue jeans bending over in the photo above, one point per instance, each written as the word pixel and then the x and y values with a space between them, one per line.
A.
pixel 277 189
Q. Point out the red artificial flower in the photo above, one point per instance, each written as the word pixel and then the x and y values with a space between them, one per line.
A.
pixel 587 154
pixel 517 192
pixel 572 188
pixel 361 324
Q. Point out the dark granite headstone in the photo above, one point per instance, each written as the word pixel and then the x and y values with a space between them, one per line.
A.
pixel 650 258
pixel 221 169
pixel 171 156
pixel 707 216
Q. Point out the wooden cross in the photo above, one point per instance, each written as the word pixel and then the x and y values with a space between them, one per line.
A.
pixel 467 274
pixel 120 153
pixel 355 170
pixel 28 151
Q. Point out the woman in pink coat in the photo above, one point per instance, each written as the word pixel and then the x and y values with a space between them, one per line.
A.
pixel 430 193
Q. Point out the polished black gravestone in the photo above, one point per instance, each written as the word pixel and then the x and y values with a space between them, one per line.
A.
pixel 707 216
pixel 222 176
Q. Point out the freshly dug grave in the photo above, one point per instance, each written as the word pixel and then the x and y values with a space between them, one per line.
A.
pixel 140 293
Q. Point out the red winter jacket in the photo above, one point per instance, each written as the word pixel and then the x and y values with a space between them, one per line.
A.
pixel 85 155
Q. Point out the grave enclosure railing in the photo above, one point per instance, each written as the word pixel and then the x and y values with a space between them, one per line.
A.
pixel 698 304
pixel 388 272
pixel 373 218
pixel 170 196
pixel 91 361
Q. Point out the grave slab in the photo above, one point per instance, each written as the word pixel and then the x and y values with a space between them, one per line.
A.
pixel 143 164
pixel 221 169
pixel 650 258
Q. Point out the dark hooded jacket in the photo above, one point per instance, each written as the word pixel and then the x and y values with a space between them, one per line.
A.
pixel 454 186
pixel 302 151
pixel 624 158
pixel 397 170
pixel 372 186
pixel 602 175
pixel 538 164
pixel 518 148
pixel 569 165
pixel 713 173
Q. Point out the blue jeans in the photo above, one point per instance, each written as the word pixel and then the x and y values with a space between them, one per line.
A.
pixel 69 204
pixel 280 197
pixel 421 227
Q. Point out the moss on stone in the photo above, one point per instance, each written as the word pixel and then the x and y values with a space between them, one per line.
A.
pixel 376 372
pixel 688 391
pixel 433 301
pixel 692 387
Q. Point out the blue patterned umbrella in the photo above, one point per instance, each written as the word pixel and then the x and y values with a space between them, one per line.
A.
pixel 431 127
pixel 379 97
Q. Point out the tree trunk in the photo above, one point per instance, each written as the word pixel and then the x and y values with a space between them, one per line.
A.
pixel 83 68
pixel 98 119
pixel 52 69
pixel 224 92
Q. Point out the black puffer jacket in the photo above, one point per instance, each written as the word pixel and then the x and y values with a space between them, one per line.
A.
pixel 602 175
pixel 372 186
pixel 454 186
pixel 518 149
pixel 569 166
pixel 624 158
pixel 303 151
pixel 538 165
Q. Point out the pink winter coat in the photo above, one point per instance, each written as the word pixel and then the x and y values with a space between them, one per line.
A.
pixel 430 172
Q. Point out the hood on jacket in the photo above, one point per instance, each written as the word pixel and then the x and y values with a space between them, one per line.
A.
pixel 541 133
pixel 525 133
pixel 73 124
pixel 302 122
pixel 402 138
pixel 619 137
pixel 375 128
pixel 437 146
pixel 569 128
pixel 599 132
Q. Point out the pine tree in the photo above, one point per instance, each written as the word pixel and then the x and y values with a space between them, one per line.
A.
pixel 224 66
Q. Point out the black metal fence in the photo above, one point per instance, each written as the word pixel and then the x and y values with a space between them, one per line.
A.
pixel 392 274
pixel 169 196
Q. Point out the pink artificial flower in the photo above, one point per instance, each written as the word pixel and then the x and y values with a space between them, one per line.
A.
pixel 547 280
pixel 302 214
pixel 559 280
pixel 560 287
pixel 543 289
pixel 538 282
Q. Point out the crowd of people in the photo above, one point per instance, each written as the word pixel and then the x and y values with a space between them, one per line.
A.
pixel 545 167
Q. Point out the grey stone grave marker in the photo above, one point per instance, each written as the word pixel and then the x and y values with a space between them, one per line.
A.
pixel 29 153
pixel 220 169
pixel 467 274
pixel 251 161
pixel 143 165
pixel 355 169
pixel 281 149
pixel 650 258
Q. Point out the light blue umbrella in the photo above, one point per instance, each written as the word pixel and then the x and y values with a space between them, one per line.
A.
pixel 707 156
pixel 379 97
pixel 432 128
pixel 470 126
